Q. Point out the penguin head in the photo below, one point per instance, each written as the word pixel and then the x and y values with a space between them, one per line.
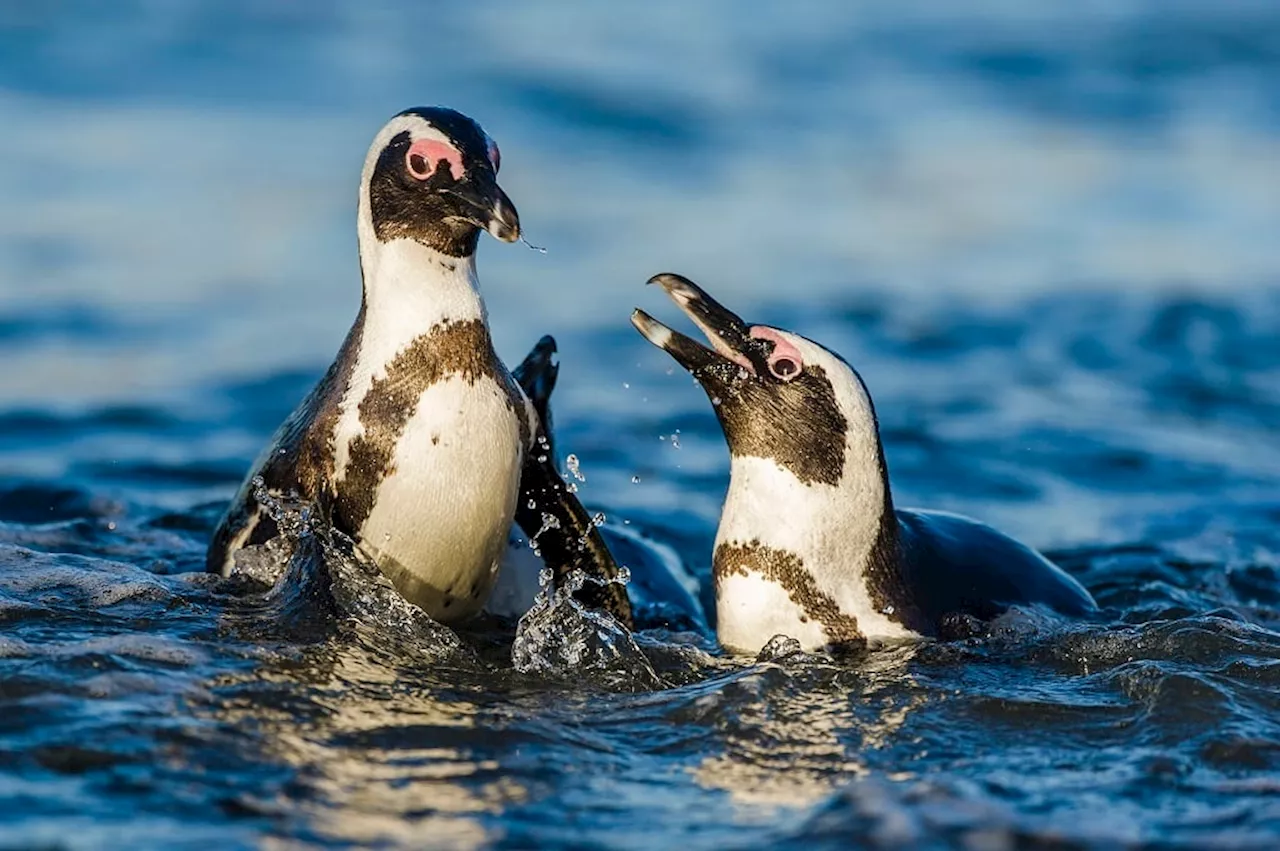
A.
pixel 778 396
pixel 431 175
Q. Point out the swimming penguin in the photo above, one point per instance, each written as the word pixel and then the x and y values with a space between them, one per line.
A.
pixel 810 544
pixel 418 443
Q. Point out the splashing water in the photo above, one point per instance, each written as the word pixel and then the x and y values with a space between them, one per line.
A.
pixel 559 637
pixel 312 567
pixel 549 522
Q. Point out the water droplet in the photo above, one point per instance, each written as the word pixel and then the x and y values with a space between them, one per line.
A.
pixel 626 385
pixel 715 400
pixel 542 459
pixel 598 519
pixel 635 480
pixel 675 440
pixel 572 487
pixel 537 248
pixel 888 610
pixel 573 466
pixel 531 504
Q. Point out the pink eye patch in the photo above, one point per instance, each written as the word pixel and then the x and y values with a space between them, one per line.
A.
pixel 425 155
pixel 783 351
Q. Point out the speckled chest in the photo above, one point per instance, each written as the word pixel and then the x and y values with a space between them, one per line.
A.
pixel 430 467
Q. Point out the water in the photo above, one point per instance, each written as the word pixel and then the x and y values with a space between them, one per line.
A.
pixel 1044 233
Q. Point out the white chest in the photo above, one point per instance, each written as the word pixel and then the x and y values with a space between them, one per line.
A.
pixel 751 609
pixel 802 551
pixel 439 518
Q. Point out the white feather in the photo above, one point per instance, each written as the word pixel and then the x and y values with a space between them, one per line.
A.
pixel 751 609
pixel 415 289
pixel 440 520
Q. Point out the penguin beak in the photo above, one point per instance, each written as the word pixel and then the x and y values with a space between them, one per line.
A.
pixel 731 347
pixel 503 221
pixel 489 208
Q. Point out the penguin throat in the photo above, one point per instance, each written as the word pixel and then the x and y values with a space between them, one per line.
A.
pixel 835 529
pixel 843 538
pixel 409 287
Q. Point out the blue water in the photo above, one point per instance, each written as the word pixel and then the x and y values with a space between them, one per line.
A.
pixel 1044 233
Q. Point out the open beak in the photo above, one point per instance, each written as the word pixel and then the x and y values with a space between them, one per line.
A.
pixel 732 347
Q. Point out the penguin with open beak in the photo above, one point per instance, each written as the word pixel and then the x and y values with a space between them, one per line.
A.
pixel 810 544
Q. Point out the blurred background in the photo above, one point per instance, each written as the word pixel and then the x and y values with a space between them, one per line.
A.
pixel 178 179
pixel 1046 234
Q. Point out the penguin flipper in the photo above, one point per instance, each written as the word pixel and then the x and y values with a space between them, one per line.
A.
pixel 536 376
pixel 571 541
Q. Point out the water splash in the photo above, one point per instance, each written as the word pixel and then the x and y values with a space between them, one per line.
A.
pixel 559 637
pixel 778 648
pixel 318 572
pixel 549 522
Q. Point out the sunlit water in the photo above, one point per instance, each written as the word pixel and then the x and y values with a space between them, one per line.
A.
pixel 1047 239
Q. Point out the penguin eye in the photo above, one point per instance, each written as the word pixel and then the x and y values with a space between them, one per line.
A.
pixel 495 156
pixel 784 368
pixel 419 166
pixel 425 156
pixel 783 356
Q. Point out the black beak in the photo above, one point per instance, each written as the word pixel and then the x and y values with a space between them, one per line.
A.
pixel 503 222
pixel 489 208
pixel 732 347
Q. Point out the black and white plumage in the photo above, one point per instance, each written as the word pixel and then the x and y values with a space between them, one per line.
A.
pixel 809 543
pixel 418 443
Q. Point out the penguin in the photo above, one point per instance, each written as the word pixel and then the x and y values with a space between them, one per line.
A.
pixel 418 444
pixel 810 544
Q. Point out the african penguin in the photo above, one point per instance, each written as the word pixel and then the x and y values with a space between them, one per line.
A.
pixel 809 543
pixel 418 444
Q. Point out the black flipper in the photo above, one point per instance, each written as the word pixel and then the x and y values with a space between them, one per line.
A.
pixel 565 535
pixel 537 375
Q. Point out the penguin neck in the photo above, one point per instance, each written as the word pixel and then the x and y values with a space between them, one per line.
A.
pixel 411 292
pixel 409 288
pixel 843 533
pixel 837 531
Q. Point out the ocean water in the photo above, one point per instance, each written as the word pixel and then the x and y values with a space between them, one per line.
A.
pixel 1044 233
